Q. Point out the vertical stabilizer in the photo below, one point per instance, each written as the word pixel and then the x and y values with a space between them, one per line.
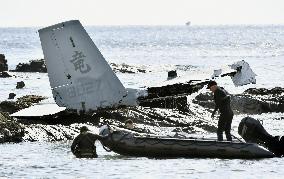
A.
pixel 79 75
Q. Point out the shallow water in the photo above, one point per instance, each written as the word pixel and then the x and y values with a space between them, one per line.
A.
pixel 160 48
pixel 55 160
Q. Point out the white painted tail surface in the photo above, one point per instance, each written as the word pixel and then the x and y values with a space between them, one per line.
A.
pixel 244 74
pixel 79 75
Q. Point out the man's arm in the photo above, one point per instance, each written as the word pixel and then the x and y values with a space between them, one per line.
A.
pixel 213 113
pixel 96 137
pixel 74 144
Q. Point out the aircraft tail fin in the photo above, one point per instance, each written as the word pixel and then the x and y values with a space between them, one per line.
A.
pixel 79 75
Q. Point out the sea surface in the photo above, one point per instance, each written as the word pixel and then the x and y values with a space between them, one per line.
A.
pixel 194 51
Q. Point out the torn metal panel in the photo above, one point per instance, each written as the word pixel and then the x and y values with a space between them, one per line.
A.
pixel 37 110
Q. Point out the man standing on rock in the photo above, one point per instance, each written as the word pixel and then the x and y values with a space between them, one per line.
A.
pixel 83 145
pixel 223 103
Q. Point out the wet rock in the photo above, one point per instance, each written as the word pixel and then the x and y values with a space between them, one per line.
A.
pixel 32 66
pixel 65 125
pixel 42 132
pixel 28 100
pixel 10 130
pixel 246 104
pixel 264 91
pixel 205 97
pixel 124 68
pixel 12 96
pixel 185 67
pixel 3 63
pixel 205 100
pixel 170 102
pixel 170 96
pixel 20 85
pixel 4 74
pixel 172 74
pixel 252 101
pixel 9 106
pixel 21 103
pixel 271 100
pixel 175 89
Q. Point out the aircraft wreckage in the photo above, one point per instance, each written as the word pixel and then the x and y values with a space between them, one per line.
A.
pixel 82 80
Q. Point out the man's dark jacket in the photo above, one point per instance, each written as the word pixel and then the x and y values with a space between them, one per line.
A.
pixel 84 145
pixel 222 102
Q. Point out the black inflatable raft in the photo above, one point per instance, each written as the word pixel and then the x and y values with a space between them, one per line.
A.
pixel 126 143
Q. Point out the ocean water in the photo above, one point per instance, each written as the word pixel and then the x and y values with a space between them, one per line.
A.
pixel 194 51
pixel 160 48
pixel 55 160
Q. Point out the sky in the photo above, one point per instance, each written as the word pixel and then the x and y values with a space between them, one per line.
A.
pixel 23 13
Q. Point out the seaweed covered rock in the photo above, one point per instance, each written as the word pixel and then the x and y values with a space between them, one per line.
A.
pixel 9 106
pixel 264 91
pixel 32 66
pixel 21 103
pixel 12 95
pixel 4 74
pixel 28 100
pixel 172 74
pixel 252 101
pixel 10 130
pixel 170 96
pixel 124 68
pixel 66 124
pixel 3 63
pixel 272 100
pixel 20 85
pixel 169 102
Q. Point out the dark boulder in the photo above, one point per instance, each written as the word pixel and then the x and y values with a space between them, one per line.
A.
pixel 125 68
pixel 169 102
pixel 66 124
pixel 271 99
pixel 32 66
pixel 12 96
pixel 4 74
pixel 10 130
pixel 252 101
pixel 21 103
pixel 9 106
pixel 264 91
pixel 172 74
pixel 3 63
pixel 20 85
pixel 175 89
pixel 170 96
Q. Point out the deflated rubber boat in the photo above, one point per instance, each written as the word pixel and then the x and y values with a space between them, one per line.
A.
pixel 126 143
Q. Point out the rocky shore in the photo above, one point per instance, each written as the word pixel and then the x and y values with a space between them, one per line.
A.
pixel 20 103
pixel 32 66
pixel 251 101
pixel 166 110
pixel 10 129
pixel 39 65
pixel 148 119
pixel 3 63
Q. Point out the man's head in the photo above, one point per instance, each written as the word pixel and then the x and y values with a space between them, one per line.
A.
pixel 212 86
pixel 129 124
pixel 83 129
